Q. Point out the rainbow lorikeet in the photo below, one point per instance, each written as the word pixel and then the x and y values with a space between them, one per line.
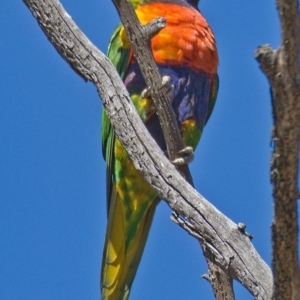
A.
pixel 185 50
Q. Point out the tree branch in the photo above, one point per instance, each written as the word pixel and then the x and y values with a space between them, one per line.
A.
pixel 220 281
pixel 230 248
pixel 140 38
pixel 282 69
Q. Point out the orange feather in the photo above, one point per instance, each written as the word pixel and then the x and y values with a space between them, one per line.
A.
pixel 186 40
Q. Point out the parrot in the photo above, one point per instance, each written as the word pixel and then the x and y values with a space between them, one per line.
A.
pixel 185 51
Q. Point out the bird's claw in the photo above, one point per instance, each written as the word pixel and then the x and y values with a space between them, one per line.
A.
pixel 146 92
pixel 186 155
pixel 186 150
pixel 165 82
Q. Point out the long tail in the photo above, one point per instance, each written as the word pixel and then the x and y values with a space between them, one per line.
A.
pixel 120 263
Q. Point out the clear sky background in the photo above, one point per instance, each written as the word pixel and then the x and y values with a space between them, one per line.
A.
pixel 52 186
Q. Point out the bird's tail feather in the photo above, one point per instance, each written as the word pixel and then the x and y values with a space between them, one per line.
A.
pixel 119 264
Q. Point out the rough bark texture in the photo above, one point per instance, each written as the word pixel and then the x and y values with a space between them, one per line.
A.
pixel 220 282
pixel 140 37
pixel 222 240
pixel 282 69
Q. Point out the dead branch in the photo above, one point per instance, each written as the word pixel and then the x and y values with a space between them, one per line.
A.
pixel 282 69
pixel 140 38
pixel 230 248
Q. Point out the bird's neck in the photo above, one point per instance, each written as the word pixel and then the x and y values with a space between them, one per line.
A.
pixel 188 3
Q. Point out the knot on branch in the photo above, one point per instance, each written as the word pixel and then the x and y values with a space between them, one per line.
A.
pixel 265 55
pixel 241 227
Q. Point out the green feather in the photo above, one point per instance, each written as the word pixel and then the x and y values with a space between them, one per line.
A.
pixel 212 96
pixel 120 57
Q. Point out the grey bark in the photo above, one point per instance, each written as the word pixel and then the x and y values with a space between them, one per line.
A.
pixel 229 247
pixel 140 37
pixel 281 67
pixel 220 281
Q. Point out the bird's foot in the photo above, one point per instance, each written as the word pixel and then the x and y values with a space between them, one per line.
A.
pixel 186 155
pixel 165 82
pixel 146 92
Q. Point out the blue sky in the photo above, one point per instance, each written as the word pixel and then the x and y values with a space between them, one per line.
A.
pixel 52 186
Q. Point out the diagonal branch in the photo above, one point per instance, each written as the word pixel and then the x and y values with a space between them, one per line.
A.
pixel 140 39
pixel 230 248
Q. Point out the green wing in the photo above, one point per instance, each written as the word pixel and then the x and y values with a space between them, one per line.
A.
pixel 120 57
pixel 212 96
